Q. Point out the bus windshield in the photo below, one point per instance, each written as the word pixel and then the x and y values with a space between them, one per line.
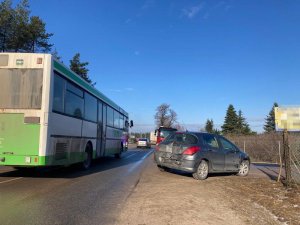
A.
pixel 21 88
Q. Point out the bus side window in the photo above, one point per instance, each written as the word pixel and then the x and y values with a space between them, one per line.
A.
pixel 110 116
pixel 116 119
pixel 58 96
pixel 90 107
pixel 74 102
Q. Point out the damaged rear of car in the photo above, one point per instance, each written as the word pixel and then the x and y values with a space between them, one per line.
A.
pixel 201 154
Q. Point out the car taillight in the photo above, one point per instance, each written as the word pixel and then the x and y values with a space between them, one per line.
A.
pixel 159 139
pixel 191 150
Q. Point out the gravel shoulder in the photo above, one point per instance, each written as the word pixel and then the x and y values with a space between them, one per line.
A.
pixel 175 198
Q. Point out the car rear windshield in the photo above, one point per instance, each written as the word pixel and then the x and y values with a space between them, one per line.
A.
pixel 166 133
pixel 142 139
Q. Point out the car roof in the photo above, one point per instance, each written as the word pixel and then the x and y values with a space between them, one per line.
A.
pixel 192 132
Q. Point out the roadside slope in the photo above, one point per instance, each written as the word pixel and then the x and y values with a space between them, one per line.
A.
pixel 172 198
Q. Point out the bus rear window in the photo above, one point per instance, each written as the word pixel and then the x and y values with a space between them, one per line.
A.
pixel 21 88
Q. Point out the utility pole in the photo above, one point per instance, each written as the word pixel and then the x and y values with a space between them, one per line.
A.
pixel 287 158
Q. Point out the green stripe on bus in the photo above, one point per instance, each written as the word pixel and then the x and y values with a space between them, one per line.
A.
pixel 51 160
pixel 16 137
pixel 22 160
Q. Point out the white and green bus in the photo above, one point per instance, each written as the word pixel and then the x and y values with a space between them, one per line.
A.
pixel 50 116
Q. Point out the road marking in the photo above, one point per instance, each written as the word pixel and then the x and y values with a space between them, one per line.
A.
pixel 130 155
pixel 137 163
pixel 6 181
pixel 145 156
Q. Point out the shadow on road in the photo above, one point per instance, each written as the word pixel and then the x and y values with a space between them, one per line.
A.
pixel 271 170
pixel 74 171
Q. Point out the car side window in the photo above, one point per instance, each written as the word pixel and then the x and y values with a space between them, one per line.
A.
pixel 178 138
pixel 189 139
pixel 227 145
pixel 210 140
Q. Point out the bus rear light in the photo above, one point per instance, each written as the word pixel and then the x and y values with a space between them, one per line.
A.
pixel 36 160
pixel 39 61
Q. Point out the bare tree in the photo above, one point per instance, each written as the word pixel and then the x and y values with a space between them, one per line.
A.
pixel 180 127
pixel 165 116
pixel 172 118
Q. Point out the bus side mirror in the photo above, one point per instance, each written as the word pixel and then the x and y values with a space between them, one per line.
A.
pixel 131 123
pixel 155 132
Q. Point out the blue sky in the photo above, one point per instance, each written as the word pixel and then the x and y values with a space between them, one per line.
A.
pixel 197 56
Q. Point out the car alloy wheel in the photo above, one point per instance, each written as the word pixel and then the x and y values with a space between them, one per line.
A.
pixel 244 168
pixel 202 171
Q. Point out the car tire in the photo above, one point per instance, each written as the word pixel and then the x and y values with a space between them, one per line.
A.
pixel 161 168
pixel 86 164
pixel 244 168
pixel 202 171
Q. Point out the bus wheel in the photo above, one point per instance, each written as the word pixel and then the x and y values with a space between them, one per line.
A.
pixel 86 164
pixel 119 155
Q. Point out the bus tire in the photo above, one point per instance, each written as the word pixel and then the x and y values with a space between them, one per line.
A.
pixel 86 164
pixel 119 155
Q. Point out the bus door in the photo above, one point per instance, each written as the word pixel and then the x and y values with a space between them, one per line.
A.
pixel 101 129
pixel 104 122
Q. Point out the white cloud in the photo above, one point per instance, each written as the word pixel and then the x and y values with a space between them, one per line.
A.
pixel 192 11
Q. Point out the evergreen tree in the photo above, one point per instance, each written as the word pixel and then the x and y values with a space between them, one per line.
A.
pixel 216 131
pixel 230 122
pixel 37 36
pixel 209 126
pixel 242 125
pixel 56 55
pixel 19 32
pixel 80 68
pixel 6 23
pixel 270 120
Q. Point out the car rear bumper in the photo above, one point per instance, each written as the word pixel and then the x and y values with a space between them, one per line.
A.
pixel 175 162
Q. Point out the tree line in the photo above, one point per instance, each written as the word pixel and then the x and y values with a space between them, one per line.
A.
pixel 234 122
pixel 22 32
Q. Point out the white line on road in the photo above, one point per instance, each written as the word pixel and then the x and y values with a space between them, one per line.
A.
pixel 130 155
pixel 6 181
pixel 139 161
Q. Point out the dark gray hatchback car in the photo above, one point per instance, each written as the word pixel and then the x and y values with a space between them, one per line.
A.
pixel 201 154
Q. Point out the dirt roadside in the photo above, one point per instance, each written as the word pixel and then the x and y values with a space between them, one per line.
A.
pixel 173 198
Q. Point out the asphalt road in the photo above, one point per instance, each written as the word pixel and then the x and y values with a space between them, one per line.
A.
pixel 69 195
